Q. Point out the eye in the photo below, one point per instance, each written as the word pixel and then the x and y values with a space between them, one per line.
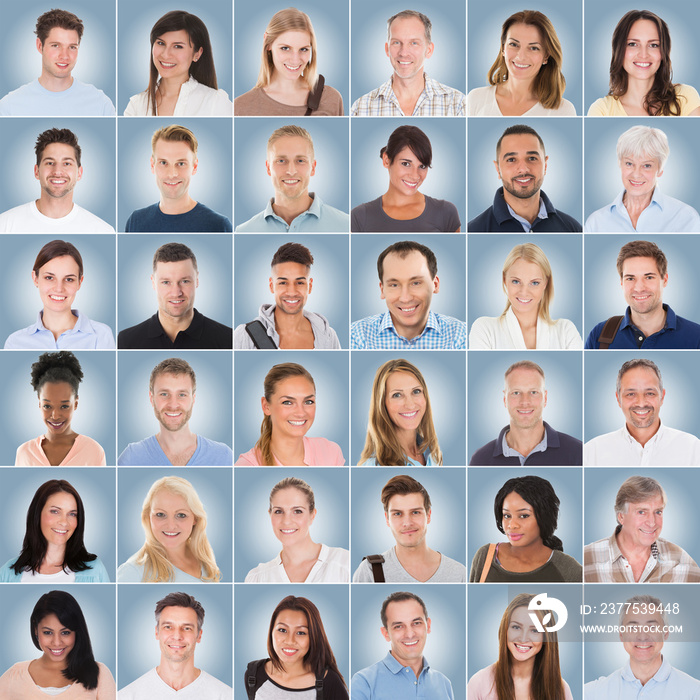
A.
pixel 181 516
pixel 535 283
pixel 301 633
pixel 396 395
pixel 506 516
pixel 417 391
pixel 159 514
pixel 309 402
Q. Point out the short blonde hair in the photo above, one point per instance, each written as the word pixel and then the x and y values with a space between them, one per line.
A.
pixel 532 254
pixel 175 132
pixel 290 130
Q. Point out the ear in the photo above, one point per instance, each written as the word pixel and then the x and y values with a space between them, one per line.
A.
pixel 80 281
pixel 313 168
pixel 436 285
pixel 157 630
pixel 663 396
pixel 545 399
pixel 313 515
pixel 196 279
pixel 153 164
pixel 272 285
pixel 199 636
pixel 194 167
pixel 428 516
pixel 617 396
pixel 430 49
pixel 80 172
pixel 36 172
pixel 75 405
pixel 385 160
pixel 153 283
pixel 150 397
pixel 427 625
pixel 265 406
pixel 385 633
pixel 546 158
pixel 386 517
pixel 665 279
pixel 198 55
pixel 386 47
pixel 311 283
pixel 35 279
pixel 39 46
pixel 498 170
pixel 267 167
pixel 381 291
pixel 659 174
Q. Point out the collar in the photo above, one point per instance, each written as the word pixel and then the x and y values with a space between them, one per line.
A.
pixel 551 437
pixel 80 324
pixel 660 676
pixel 314 209
pixel 387 323
pixel 616 553
pixel 627 436
pixel 509 451
pixel 194 330
pixel 670 319
pixel 541 214
pixel 395 667
pixel 657 197
pixel 501 209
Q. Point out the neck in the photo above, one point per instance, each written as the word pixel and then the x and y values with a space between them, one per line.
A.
pixel 644 672
pixel 287 450
pixel 299 552
pixel 526 208
pixel 518 90
pixel 630 549
pixel 178 674
pixel 407 440
pixel 530 552
pixel 636 204
pixel 289 323
pixel 289 209
pixel 637 90
pixel 527 320
pixel 522 668
pixel 284 86
pixel 55 555
pixel 408 87
pixel 58 321
pixel 651 322
pixel 54 84
pixel 54 207
pixel 175 440
pixel 172 326
pixel 414 555
pixel 643 435
pixel 181 205
pixel 416 666
pixel 408 333
pixel 394 198
pixel 525 439
pixel 169 87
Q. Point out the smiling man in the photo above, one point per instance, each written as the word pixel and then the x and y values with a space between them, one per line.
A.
pixel 179 622
pixel 174 164
pixel 56 92
pixel 648 323
pixel 177 325
pixel 171 390
pixel 407 282
pixel 58 169
pixel 521 205
pixel 286 324
pixel 527 439
pixel 643 440
pixel 404 672
pixel 291 164
pixel 409 91
pixel 407 512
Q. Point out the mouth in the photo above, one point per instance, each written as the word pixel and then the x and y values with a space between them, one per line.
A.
pixel 292 302
pixel 525 411
pixel 176 302
pixel 293 69
pixel 56 297
pixel 57 652
pixel 289 652
pixel 637 183
pixel 177 183
pixel 288 532
pixel 297 423
pixel 54 425
pixel 641 412
pixel 524 180
pixel 167 65
pixel 648 533
pixel 170 534
pixel 641 297
pixel 514 536
pixel 58 181
pixel 523 301
pixel 291 182
pixel 642 64
pixel 523 649
pixel 62 65
pixel 411 185
pixel 408 310
pixel 410 644
pixel 521 66
pixel 409 415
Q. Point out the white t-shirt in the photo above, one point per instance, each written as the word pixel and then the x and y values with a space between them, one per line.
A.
pixel 481 102
pixel 62 576
pixel 333 566
pixel 153 687
pixel 26 218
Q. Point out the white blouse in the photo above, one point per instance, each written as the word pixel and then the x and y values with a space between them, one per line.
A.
pixel 333 566
pixel 194 100
pixel 481 102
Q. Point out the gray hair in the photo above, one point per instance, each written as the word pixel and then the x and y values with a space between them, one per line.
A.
pixel 635 490
pixel 633 364
pixel 427 24
pixel 643 142
pixel 647 600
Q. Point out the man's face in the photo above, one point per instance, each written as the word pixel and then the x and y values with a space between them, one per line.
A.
pixel 642 284
pixel 291 285
pixel 408 289
pixel 643 638
pixel 408 520
pixel 177 633
pixel 521 165
pixel 642 522
pixel 407 630
pixel 290 163
pixel 407 47
pixel 175 284
pixel 173 163
pixel 172 399
pixel 641 397
pixel 58 170
pixel 525 397
pixel 59 52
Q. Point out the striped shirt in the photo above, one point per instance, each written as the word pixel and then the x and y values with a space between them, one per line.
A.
pixel 378 333
pixel 436 100
pixel 603 562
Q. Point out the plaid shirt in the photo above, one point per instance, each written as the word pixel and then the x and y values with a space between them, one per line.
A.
pixel 378 333
pixel 603 562
pixel 436 100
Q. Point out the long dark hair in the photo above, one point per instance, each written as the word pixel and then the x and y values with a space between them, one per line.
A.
pixel 320 655
pixel 202 70
pixel 35 545
pixel 81 665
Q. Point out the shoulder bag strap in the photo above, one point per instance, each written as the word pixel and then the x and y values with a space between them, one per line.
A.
pixel 610 329
pixel 376 561
pixel 260 338
pixel 487 563
pixel 314 99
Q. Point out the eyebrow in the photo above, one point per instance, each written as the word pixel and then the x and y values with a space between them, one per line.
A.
pixel 310 396
pixel 401 622
pixel 515 153
pixel 517 510
pixel 303 277
pixel 55 158
pixel 395 279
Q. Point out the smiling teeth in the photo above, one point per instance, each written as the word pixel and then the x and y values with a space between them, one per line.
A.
pixel 297 422
pixel 170 534
pixel 522 648
pixel 521 65
pixel 166 65
pixel 411 644
pixel 409 415
pixel 288 532
pixel 408 309
pixel 56 652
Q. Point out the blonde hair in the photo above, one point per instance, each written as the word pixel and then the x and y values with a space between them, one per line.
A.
pixel 153 557
pixel 289 20
pixel 532 254
pixel 381 442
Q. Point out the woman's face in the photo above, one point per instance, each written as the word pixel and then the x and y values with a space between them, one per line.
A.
pixel 523 51
pixel 519 521
pixel 57 403
pixel 639 175
pixel 58 281
pixel 290 636
pixel 405 400
pixel 291 516
pixel 523 640
pixel 173 54
pixel 55 640
pixel 643 54
pixel 292 407
pixel 406 173
pixel 172 521
pixel 59 518
pixel 291 52
pixel 525 284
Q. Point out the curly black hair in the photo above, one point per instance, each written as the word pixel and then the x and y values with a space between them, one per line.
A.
pixel 55 367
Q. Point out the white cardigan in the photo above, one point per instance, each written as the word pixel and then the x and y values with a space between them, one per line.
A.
pixel 497 333
pixel 194 100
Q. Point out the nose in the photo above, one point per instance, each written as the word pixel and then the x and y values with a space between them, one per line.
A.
pixel 405 293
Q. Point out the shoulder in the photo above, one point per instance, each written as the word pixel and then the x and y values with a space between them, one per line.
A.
pixel 477 565
pixel 264 572
pixel 481 683
pixel 16 679
pixel 483 457
pixel 251 458
pixel 256 224
pixel 210 683
pixel 138 454
pixel 451 570
pixel 602 107
pixel 105 677
pixel 96 573
pixel 331 102
pixel 482 334
pixel 213 453
pixel 130 571
pixel 149 682
pixel 7 573
pixel 366 100
pixel 11 104
pixel 567 441
pixel 209 102
pixel 565 109
pixel 214 221
pixel 481 102
pixel 142 216
pixel 137 105
pixel 248 104
pixel 689 98
pixel 133 337
pixel 484 222
pixel 570 569
pixel 325 452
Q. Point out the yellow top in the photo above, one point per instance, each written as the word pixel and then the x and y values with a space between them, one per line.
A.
pixel 609 106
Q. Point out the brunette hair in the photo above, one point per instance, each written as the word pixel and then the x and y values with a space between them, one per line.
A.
pixel 293 252
pixel 57 249
pixel 662 98
pixel 291 482
pixel 411 137
pixel 202 70
pixel 407 14
pixel 57 18
pixel 46 138
pixel 57 367
pixel 76 556
pixel 381 442
pixel 400 597
pixel 642 249
pixel 403 485
pixel 633 364
pixel 174 252
pixel 173 365
pixel 636 489
pixel 546 680
pixel 319 657
pixel 549 82
pixel 533 254
pixel 518 130
pixel 402 249
pixel 539 494
pixel 180 600
pixel 81 666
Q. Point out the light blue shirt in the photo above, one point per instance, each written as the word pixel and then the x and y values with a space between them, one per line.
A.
pixel 508 451
pixel 34 100
pixel 131 572
pixel 667 682
pixel 85 335
pixel 664 213
pixel 318 218
pixel 527 226
pixel 389 680
pixel 378 333
pixel 149 453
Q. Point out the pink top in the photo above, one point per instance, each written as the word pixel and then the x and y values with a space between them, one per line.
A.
pixel 481 685
pixel 84 453
pixel 318 452
pixel 16 683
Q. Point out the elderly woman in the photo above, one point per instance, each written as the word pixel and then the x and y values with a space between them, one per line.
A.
pixel 635 553
pixel 642 152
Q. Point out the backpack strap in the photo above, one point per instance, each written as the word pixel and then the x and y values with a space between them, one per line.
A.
pixel 610 329
pixel 254 677
pixel 487 563
pixel 319 686
pixel 260 338
pixel 314 99
pixel 376 561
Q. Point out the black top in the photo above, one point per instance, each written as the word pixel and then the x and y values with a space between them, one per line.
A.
pixel 497 218
pixel 202 334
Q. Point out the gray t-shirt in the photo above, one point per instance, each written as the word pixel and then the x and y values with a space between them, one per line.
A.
pixel 449 571
pixel 439 215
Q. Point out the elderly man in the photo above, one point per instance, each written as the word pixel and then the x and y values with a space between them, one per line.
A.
pixel 635 552
pixel 643 440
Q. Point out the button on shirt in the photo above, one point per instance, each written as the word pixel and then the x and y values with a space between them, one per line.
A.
pixel 318 218
pixel 508 451
pixel 527 226
pixel 378 333
pixel 85 335
pixel 389 680
pixel 436 100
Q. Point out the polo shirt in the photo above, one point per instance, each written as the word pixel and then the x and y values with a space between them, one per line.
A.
pixel 199 219
pixel 318 218
pixel 378 333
